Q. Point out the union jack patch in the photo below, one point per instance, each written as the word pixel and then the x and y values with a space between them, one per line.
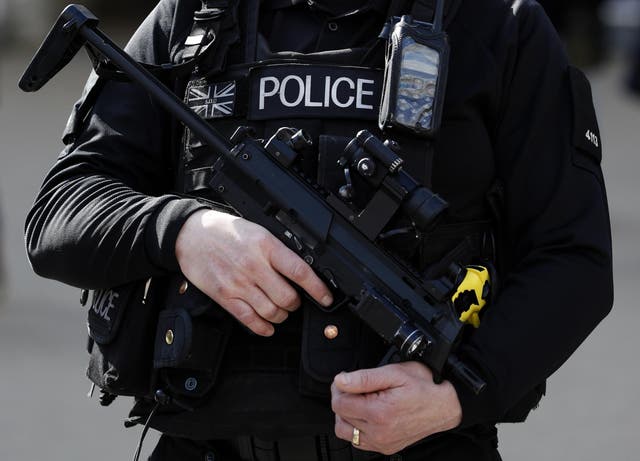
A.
pixel 212 100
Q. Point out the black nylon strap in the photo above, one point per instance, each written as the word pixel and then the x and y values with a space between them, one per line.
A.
pixel 251 30
pixel 107 70
pixel 423 10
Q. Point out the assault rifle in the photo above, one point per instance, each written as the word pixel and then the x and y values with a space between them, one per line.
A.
pixel 414 316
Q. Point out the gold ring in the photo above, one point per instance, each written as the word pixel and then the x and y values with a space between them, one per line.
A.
pixel 355 440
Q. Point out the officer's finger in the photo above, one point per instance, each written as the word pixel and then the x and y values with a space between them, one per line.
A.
pixel 265 308
pixel 344 429
pixel 295 269
pixel 370 380
pixel 279 291
pixel 350 406
pixel 246 315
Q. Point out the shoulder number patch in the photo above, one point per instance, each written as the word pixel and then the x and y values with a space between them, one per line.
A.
pixel 592 138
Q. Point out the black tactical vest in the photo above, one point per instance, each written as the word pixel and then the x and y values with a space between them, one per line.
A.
pixel 331 98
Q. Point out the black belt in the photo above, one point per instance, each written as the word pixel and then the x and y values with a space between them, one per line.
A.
pixel 248 448
pixel 320 448
pixel 477 444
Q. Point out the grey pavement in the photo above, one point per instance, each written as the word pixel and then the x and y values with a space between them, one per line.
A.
pixel 591 412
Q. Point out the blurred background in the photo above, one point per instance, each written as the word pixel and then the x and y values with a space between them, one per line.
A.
pixel 592 410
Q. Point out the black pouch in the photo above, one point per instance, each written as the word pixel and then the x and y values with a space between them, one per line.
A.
pixel 121 324
pixel 415 78
pixel 191 337
pixel 356 346
pixel 323 358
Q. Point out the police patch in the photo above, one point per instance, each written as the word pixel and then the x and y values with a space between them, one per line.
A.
pixel 105 314
pixel 314 91
pixel 213 100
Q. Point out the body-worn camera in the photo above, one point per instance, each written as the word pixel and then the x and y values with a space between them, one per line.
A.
pixel 415 76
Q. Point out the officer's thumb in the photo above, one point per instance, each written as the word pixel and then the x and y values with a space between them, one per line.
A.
pixel 367 380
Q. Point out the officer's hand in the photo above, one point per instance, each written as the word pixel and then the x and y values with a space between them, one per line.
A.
pixel 245 269
pixel 393 406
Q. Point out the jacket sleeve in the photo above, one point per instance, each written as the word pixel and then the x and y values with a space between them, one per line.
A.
pixel 102 216
pixel 558 280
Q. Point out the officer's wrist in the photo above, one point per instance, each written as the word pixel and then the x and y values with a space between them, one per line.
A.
pixel 162 231
pixel 476 408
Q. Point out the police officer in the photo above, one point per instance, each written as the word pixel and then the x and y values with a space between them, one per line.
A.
pixel 517 158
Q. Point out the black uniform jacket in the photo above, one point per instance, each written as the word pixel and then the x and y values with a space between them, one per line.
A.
pixel 515 112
